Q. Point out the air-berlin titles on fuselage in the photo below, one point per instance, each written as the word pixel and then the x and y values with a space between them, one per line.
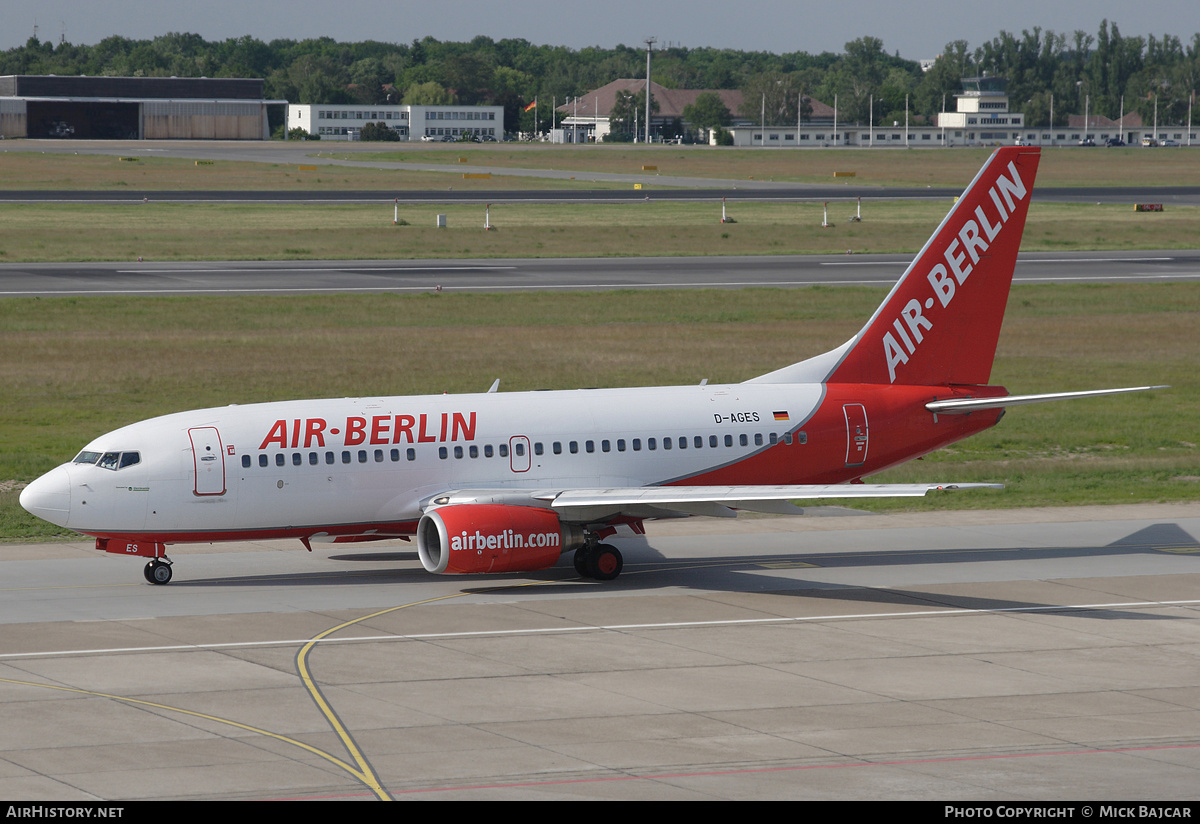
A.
pixel 377 429
pixel 972 239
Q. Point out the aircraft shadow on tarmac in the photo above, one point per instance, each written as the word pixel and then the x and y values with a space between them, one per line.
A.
pixel 647 569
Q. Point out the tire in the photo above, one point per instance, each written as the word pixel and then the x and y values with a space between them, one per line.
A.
pixel 605 563
pixel 160 573
pixel 581 561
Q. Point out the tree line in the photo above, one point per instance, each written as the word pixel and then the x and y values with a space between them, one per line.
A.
pixel 1100 72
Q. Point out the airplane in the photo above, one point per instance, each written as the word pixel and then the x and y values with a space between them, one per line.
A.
pixel 509 482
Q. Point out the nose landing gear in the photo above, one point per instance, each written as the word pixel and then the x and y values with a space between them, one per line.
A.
pixel 158 571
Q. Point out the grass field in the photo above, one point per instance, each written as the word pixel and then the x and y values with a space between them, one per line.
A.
pixel 174 231
pixel 1067 166
pixel 26 170
pixel 74 368
pixel 23 168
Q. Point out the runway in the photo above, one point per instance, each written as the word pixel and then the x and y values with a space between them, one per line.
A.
pixel 1020 655
pixel 508 275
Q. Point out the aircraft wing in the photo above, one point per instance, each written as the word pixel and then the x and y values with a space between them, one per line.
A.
pixel 601 504
pixel 721 501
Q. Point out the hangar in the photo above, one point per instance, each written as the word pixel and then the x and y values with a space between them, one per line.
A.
pixel 133 108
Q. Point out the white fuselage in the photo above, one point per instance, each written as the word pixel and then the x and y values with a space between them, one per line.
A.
pixel 295 466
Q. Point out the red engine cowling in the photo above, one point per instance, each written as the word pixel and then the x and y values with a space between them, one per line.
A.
pixel 481 538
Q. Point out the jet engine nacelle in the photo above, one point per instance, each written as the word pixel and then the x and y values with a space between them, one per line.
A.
pixel 480 538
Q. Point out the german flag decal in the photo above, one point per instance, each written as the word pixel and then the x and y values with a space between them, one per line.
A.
pixel 781 416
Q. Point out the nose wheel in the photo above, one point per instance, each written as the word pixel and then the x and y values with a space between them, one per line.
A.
pixel 158 571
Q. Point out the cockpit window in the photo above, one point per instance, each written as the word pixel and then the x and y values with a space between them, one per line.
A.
pixel 108 460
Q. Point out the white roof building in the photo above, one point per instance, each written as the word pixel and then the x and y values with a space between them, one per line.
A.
pixel 410 122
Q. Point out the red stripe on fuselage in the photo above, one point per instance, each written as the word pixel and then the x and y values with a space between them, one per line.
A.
pixel 382 529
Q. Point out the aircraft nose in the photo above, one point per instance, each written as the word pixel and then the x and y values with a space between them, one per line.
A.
pixel 49 497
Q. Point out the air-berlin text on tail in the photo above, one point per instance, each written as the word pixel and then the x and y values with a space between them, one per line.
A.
pixel 961 255
pixel 377 429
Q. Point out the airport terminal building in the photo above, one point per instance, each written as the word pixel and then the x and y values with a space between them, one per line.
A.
pixel 336 121
pixel 133 108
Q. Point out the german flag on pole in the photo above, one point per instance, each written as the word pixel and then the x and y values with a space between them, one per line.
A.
pixel 531 106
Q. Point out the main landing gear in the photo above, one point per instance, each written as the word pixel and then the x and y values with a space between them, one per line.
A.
pixel 603 562
pixel 158 571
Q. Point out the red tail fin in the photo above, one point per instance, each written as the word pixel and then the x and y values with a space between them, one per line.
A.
pixel 940 323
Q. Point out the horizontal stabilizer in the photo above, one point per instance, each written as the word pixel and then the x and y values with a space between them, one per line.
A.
pixel 961 406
